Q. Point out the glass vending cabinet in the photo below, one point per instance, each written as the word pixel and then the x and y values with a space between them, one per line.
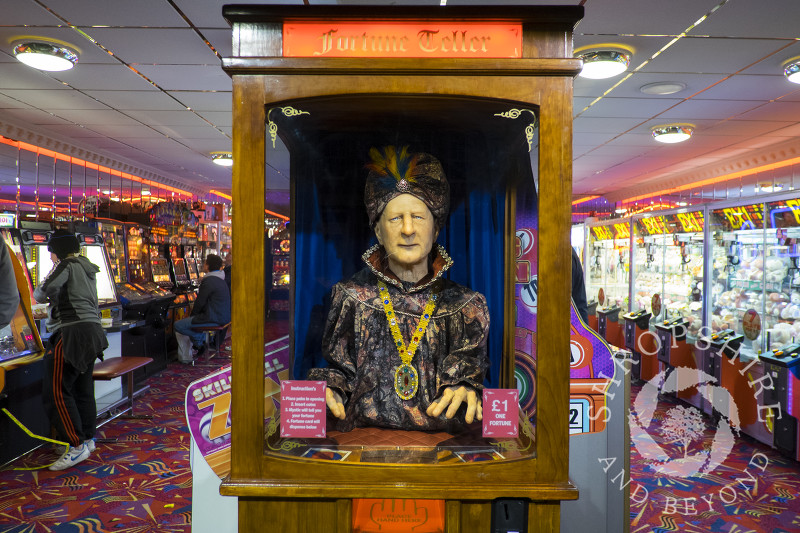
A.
pixel 607 271
pixel 507 117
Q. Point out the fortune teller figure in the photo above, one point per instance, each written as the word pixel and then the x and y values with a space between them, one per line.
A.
pixel 406 348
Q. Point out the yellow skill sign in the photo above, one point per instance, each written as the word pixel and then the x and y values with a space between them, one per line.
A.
pixel 105 313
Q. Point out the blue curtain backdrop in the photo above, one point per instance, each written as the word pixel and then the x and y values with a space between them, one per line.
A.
pixel 331 232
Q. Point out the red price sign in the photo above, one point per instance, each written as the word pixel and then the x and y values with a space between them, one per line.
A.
pixel 500 413
pixel 302 409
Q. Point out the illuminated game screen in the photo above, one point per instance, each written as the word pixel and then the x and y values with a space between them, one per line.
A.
pixel 180 269
pixel 191 264
pixel 38 262
pixel 105 283
pixel 160 270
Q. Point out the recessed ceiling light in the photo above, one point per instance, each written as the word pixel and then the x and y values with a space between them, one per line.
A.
pixel 223 159
pixel 673 133
pixel 42 55
pixel 681 204
pixel 665 87
pixel 792 72
pixel 601 64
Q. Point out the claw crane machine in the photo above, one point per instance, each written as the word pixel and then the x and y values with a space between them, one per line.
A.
pixel 323 84
pixel 607 271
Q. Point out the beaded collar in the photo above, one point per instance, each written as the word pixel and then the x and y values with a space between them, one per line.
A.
pixel 374 258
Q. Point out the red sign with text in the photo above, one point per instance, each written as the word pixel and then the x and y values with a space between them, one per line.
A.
pixel 302 409
pixel 500 413
pixel 402 39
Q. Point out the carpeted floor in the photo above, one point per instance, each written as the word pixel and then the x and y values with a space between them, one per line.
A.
pixel 754 489
pixel 142 482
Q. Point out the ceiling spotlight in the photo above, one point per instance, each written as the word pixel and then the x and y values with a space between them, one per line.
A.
pixel 673 133
pixel 792 72
pixel 223 159
pixel 601 64
pixel 46 56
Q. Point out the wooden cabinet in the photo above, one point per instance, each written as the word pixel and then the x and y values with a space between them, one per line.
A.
pixel 449 101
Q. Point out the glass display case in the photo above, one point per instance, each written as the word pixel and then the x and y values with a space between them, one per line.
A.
pixel 668 267
pixel 606 264
pixel 741 281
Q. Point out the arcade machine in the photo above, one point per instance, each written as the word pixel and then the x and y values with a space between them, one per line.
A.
pixel 21 367
pixel 334 480
pixel 279 294
pixel 751 295
pixel 783 363
pixel 135 302
pixel 153 340
pixel 194 265
pixel 179 275
pixel 679 268
pixel 608 276
pixel 94 250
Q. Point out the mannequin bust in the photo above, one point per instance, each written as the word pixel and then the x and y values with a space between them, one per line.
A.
pixel 406 348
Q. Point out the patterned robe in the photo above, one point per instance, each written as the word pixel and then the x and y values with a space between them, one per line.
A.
pixel 362 356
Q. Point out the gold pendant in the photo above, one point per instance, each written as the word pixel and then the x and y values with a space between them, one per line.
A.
pixel 405 381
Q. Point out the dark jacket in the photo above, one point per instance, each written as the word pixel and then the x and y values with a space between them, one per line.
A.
pixel 213 304
pixel 70 289
pixel 579 287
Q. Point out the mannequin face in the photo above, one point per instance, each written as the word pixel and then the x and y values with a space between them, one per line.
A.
pixel 406 229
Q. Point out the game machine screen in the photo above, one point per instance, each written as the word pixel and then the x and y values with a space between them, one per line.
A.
pixel 11 236
pixel 138 256
pixel 279 294
pixel 34 237
pixel 114 239
pixel 178 271
pixel 93 249
pixel 159 265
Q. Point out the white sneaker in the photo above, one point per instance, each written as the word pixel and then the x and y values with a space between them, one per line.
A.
pixel 71 457
pixel 90 444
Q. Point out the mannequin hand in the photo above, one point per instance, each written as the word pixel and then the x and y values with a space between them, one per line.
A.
pixel 335 403
pixel 454 396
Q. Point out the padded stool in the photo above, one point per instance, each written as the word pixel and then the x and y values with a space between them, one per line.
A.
pixel 219 333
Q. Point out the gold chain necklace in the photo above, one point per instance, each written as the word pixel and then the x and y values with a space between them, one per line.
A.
pixel 406 380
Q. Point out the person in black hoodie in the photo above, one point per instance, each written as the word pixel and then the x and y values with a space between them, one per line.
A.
pixel 76 340
pixel 211 308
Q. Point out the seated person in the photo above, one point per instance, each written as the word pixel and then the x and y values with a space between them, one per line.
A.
pixel 211 308
pixel 405 347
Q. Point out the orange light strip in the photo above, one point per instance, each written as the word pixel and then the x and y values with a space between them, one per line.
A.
pixel 718 179
pixel 584 199
pixel 86 164
pixel 273 213
pixel 220 194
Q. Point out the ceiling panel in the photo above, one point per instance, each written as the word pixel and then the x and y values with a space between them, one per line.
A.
pixel 55 100
pixel 747 87
pixel 89 117
pixel 145 46
pixel 630 107
pixel 652 17
pixel 711 55
pixel 168 118
pixel 156 13
pixel 777 19
pixel 708 109
pixel 152 100
pixel 187 77
pixel 36 117
pixel 103 77
pixel 18 76
pixel 205 100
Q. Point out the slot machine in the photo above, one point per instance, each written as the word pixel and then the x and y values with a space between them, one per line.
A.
pixel 639 342
pixel 21 365
pixel 279 294
pixel 135 301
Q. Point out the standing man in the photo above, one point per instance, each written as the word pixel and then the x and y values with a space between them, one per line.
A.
pixel 76 340
pixel 211 308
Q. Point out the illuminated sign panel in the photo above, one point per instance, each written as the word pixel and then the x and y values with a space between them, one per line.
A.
pixel 602 233
pixel 688 222
pixel 742 217
pixel 7 220
pixel 402 39
pixel 622 231
pixel 653 226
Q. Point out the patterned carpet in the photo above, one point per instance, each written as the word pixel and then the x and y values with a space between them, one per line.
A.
pixel 142 482
pixel 754 489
